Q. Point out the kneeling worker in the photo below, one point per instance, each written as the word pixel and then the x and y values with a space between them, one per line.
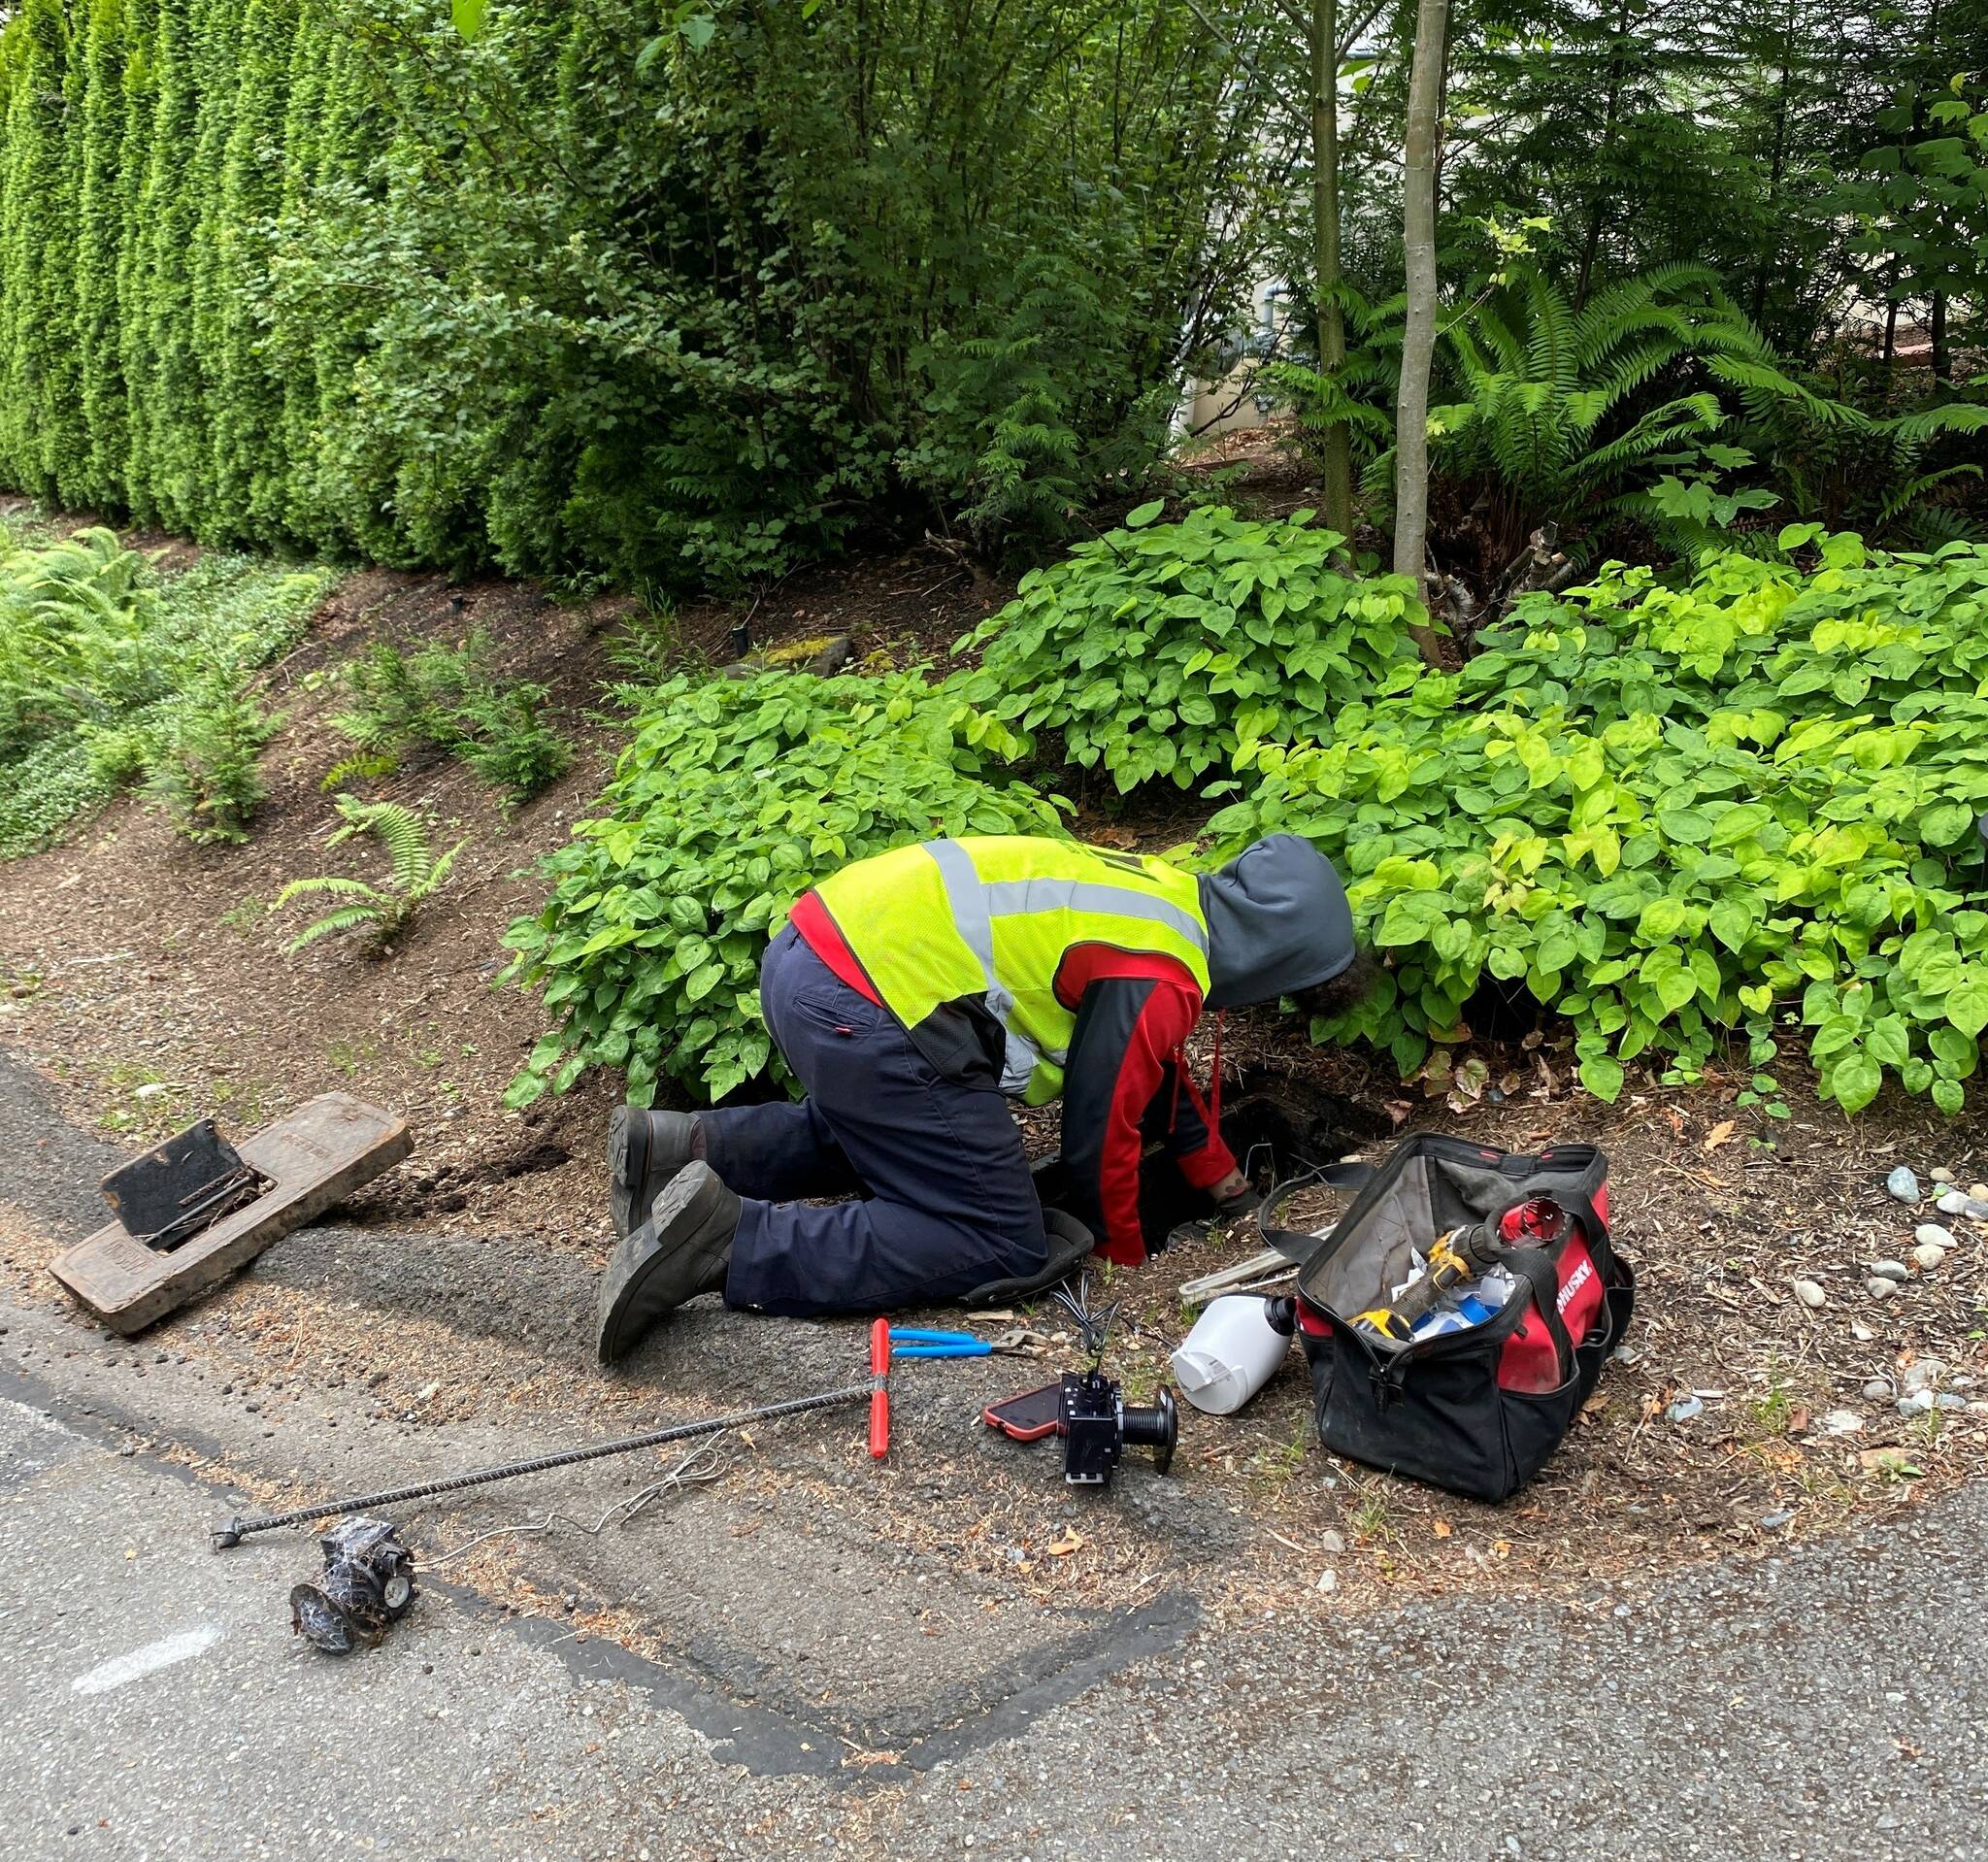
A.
pixel 909 992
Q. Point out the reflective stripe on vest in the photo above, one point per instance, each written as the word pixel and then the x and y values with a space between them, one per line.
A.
pixel 898 924
pixel 976 903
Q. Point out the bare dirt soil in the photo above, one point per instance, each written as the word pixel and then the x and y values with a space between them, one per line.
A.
pixel 146 979
pixel 150 979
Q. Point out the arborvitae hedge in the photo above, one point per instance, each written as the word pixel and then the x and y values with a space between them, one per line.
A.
pixel 322 274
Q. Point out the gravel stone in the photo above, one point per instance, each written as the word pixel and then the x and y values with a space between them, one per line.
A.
pixel 1926 1373
pixel 1903 1184
pixel 1877 1390
pixel 1917 1403
pixel 1929 1255
pixel 1841 1422
pixel 1944 1175
pixel 1810 1295
pixel 1880 1289
pixel 1932 1232
pixel 1891 1270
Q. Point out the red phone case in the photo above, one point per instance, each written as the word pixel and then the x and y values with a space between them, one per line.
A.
pixel 1029 1417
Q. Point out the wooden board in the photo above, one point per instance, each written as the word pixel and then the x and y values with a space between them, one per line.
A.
pixel 315 1157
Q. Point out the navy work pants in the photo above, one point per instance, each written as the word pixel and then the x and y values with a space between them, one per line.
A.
pixel 948 1203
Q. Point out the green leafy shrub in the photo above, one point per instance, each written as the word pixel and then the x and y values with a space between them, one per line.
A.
pixel 287 275
pixel 98 656
pixel 203 768
pixel 74 620
pixel 416 874
pixel 1672 814
pixel 731 800
pixel 1160 647
pixel 446 698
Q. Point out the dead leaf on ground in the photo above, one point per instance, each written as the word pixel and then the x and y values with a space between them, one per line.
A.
pixel 1718 1134
pixel 1888 1461
pixel 1440 1527
pixel 1070 1540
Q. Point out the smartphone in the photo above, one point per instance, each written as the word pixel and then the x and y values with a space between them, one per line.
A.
pixel 1030 1416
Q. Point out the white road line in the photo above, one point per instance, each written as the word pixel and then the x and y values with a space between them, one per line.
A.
pixel 148 1660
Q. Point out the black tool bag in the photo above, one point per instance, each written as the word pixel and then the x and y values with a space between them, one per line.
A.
pixel 1477 1412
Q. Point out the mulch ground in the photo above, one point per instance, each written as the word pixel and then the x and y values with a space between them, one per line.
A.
pixel 148 980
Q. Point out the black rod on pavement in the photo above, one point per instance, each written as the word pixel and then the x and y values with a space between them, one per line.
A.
pixel 237 1529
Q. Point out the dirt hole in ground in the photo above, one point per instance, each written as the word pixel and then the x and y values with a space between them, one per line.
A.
pixel 446 1189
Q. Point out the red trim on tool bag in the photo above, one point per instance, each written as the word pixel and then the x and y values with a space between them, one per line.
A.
pixel 1529 1360
pixel 823 936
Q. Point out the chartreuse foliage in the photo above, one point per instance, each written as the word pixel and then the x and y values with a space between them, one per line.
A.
pixel 1743 805
pixel 109 671
pixel 732 799
pixel 1157 649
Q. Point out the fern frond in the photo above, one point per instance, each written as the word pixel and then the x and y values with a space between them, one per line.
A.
pixel 348 918
pixel 1761 379
pixel 1917 429
pixel 1911 493
pixel 336 882
pixel 437 875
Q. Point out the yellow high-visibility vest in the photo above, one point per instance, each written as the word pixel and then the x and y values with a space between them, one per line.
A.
pixel 989 917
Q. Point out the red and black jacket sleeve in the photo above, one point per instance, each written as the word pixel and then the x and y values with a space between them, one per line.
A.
pixel 1123 1082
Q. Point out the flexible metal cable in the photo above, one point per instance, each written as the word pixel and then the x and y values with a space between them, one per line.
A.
pixel 236 1530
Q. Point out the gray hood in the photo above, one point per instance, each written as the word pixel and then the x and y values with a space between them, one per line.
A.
pixel 1278 920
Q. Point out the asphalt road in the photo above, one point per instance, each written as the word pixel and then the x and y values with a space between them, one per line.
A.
pixel 1829 1702
pixel 1832 1703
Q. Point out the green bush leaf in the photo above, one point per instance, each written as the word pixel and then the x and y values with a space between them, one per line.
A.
pixel 1602 1076
pixel 1943 826
pixel 1966 1006
pixel 1767 751
pixel 1854 1080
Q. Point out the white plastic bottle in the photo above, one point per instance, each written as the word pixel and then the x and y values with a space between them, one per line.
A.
pixel 1234 1350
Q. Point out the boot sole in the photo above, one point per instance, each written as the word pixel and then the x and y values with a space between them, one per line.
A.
pixel 688 1237
pixel 633 1159
pixel 628 1150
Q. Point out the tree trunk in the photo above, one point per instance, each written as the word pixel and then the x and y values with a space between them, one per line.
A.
pixel 1418 332
pixel 1325 249
pixel 1591 243
pixel 1770 256
pixel 1942 363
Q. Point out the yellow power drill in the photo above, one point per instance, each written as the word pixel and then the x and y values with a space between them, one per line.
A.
pixel 1465 1253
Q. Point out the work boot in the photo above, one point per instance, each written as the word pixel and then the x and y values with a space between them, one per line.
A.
pixel 684 1249
pixel 644 1150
